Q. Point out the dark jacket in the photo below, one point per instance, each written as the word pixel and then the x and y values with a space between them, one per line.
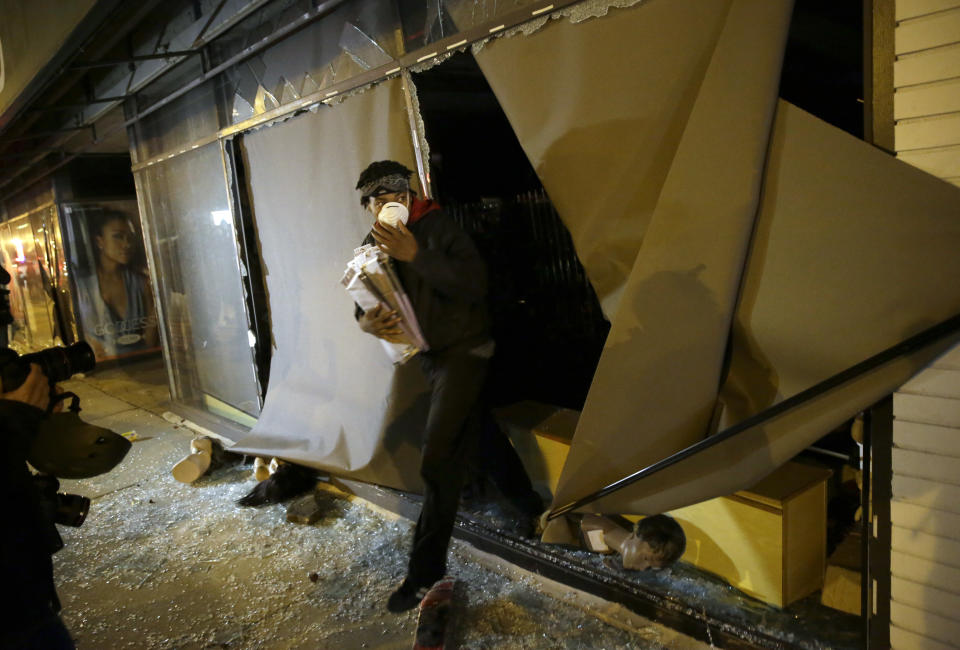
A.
pixel 26 540
pixel 446 283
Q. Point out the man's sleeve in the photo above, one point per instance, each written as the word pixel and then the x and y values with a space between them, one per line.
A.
pixel 450 262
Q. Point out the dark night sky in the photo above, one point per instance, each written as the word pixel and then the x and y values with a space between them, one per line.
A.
pixel 823 63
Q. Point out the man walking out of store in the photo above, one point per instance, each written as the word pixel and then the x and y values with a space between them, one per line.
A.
pixel 445 279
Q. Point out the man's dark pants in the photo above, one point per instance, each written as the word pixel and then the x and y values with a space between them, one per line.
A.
pixel 456 378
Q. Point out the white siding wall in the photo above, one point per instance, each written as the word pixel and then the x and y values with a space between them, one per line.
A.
pixel 925 558
pixel 926 80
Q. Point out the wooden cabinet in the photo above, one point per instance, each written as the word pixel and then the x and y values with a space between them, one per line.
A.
pixel 768 541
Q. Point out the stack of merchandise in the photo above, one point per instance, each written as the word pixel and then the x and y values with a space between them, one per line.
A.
pixel 371 280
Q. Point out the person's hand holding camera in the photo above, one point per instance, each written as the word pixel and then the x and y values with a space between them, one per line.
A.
pixel 382 323
pixel 35 390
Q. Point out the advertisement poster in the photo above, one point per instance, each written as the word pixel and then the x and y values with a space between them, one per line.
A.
pixel 114 303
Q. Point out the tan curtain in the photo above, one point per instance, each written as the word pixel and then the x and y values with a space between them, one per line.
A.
pixel 334 400
pixel 655 388
pixel 599 108
pixel 854 252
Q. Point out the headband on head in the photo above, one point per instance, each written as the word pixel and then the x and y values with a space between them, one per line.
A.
pixel 388 183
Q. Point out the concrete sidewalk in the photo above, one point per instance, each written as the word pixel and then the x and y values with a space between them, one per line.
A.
pixel 161 564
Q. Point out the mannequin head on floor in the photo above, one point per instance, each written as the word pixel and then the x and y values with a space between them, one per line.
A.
pixel 657 543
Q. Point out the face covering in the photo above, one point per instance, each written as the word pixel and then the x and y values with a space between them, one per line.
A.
pixel 393 213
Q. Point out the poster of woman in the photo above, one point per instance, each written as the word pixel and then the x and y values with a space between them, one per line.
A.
pixel 112 292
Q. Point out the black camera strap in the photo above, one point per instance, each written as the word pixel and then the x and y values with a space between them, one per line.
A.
pixel 56 398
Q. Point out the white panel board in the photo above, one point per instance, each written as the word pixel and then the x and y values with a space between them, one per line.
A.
pixel 913 8
pixel 926 493
pixel 929 65
pixel 935 382
pixel 924 597
pixel 929 547
pixel 934 30
pixel 944 469
pixel 934 98
pixel 901 639
pixel 924 623
pixel 931 438
pixel 927 132
pixel 925 520
pixel 943 162
pixel 928 410
pixel 926 572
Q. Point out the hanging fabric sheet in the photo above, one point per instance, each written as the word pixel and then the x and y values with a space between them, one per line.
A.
pixel 599 108
pixel 655 387
pixel 840 289
pixel 854 252
pixel 335 401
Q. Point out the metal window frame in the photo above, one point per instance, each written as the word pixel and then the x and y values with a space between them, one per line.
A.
pixel 402 66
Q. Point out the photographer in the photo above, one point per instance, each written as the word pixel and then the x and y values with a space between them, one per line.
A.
pixel 29 538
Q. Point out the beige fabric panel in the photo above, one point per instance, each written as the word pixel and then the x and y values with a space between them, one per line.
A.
pixel 599 108
pixel 741 461
pixel 854 252
pixel 655 388
pixel 334 400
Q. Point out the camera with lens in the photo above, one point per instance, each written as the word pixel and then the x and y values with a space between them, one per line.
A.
pixel 65 446
pixel 58 364
pixel 60 507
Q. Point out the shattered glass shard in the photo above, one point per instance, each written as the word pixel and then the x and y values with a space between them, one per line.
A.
pixel 433 29
pixel 309 86
pixel 363 49
pixel 286 92
pixel 246 84
pixel 265 101
pixel 329 76
pixel 242 110
pixel 257 67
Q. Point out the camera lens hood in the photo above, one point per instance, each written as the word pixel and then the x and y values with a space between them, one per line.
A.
pixel 68 447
